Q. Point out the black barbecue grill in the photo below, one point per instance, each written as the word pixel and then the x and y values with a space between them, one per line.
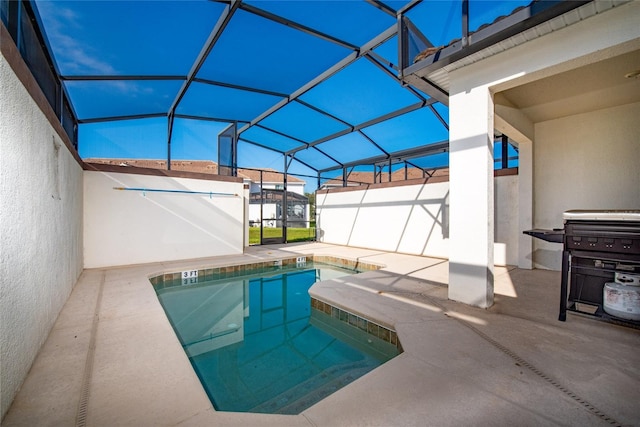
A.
pixel 599 246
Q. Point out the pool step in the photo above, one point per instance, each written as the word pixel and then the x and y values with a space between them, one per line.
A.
pixel 313 390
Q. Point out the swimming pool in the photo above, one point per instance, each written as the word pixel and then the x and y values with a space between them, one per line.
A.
pixel 258 345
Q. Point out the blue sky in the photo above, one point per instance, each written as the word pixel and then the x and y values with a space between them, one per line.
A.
pixel 163 38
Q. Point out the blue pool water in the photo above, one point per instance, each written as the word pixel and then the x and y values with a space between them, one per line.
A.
pixel 258 346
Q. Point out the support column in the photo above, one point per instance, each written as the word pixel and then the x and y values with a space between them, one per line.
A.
pixel 525 204
pixel 511 121
pixel 471 195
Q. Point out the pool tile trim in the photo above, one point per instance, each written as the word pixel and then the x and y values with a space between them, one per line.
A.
pixel 370 327
pixel 234 270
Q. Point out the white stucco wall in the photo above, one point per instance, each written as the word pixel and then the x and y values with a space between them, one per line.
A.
pixel 411 219
pixel 40 229
pixel 585 161
pixel 132 227
pixel 507 229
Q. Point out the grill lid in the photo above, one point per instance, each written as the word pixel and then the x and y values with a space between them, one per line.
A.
pixel 602 215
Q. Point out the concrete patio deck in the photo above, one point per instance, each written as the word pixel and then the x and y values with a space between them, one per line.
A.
pixel 112 358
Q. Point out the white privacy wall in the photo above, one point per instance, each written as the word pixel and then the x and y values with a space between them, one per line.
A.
pixel 409 219
pixel 40 229
pixel 133 227
pixel 412 219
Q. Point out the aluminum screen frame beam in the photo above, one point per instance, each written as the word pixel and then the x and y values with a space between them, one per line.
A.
pixel 277 132
pixel 375 42
pixel 372 142
pixel 239 87
pixel 372 122
pixel 32 10
pixel 407 7
pixel 439 117
pixel 323 112
pixel 383 7
pixel 381 59
pixel 206 119
pixel 321 152
pixel 376 61
pixel 231 132
pixel 435 148
pixel 257 144
pixel 117 118
pixel 156 115
pixel 295 25
pixel 306 145
pixel 304 164
pixel 213 38
pixel 112 77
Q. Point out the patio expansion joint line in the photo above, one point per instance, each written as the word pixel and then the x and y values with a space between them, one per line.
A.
pixel 81 414
pixel 520 361
pixel 308 420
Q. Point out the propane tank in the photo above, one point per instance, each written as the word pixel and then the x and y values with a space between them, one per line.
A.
pixel 622 297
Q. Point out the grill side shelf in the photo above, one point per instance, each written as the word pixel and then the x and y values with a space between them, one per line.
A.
pixel 555 236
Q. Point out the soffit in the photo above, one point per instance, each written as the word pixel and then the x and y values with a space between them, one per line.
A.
pixel 440 77
pixel 592 87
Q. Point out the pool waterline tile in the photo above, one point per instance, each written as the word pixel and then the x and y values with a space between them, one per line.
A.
pixel 363 324
pixel 229 271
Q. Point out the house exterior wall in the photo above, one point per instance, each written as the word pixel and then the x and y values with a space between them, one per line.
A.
pixel 507 230
pixel 296 187
pixel 412 218
pixel 269 211
pixel 472 87
pixel 293 187
pixel 41 226
pixel 585 161
pixel 132 227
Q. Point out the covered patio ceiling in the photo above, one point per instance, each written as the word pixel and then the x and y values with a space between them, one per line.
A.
pixel 315 81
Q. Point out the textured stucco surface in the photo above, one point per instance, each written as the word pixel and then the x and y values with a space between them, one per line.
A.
pixel 411 219
pixel 40 228
pixel 585 161
pixel 133 227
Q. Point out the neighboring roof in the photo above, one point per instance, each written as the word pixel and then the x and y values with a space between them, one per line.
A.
pixel 270 195
pixel 360 177
pixel 200 166
pixel 268 175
